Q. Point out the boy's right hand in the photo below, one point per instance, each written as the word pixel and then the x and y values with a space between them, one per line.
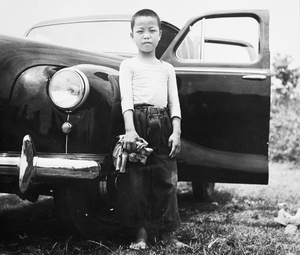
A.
pixel 130 139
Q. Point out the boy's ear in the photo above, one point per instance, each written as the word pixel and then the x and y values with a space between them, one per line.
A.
pixel 160 34
pixel 131 35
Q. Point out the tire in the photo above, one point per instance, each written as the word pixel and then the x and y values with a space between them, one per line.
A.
pixel 88 208
pixel 203 190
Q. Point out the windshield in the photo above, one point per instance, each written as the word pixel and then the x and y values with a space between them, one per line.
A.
pixel 96 36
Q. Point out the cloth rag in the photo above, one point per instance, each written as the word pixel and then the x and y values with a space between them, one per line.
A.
pixel 285 218
pixel 120 155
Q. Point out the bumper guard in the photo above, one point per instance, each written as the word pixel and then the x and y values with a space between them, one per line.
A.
pixel 31 166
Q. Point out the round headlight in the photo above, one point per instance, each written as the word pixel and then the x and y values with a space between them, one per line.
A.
pixel 68 88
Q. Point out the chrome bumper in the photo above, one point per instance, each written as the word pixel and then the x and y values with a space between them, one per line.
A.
pixel 29 166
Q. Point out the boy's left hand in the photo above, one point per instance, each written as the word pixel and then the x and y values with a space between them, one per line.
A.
pixel 175 145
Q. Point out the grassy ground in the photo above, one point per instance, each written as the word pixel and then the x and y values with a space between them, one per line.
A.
pixel 239 220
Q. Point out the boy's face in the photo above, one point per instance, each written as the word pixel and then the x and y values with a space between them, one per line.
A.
pixel 146 33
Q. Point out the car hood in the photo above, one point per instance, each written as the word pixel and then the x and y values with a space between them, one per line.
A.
pixel 18 54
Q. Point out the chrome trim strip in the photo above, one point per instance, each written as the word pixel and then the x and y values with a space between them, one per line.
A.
pixel 255 77
pixel 221 70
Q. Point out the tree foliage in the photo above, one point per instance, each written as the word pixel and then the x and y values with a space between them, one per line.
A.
pixel 282 70
pixel 285 111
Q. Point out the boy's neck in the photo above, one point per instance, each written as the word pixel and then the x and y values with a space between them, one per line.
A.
pixel 148 58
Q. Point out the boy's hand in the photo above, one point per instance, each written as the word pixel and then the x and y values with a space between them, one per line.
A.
pixel 175 145
pixel 130 139
pixel 174 139
pixel 131 136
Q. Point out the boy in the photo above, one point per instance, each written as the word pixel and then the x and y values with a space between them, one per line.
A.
pixel 151 110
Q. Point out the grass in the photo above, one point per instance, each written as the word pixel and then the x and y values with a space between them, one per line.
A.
pixel 239 220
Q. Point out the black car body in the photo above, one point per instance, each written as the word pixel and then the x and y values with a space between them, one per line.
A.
pixel 60 108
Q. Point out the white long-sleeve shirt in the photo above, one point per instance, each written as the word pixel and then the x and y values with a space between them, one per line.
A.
pixel 155 84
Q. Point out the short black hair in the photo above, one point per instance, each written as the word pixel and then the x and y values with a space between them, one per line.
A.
pixel 145 13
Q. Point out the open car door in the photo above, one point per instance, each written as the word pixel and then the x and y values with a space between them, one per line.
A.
pixel 222 63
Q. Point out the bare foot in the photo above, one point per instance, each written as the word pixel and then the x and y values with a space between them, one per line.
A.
pixel 138 246
pixel 169 240
pixel 141 240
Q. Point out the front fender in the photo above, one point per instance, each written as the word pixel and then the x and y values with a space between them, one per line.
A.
pixel 95 125
pixel 32 112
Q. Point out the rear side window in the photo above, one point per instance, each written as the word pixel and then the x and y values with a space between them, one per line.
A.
pixel 99 36
pixel 96 36
pixel 221 40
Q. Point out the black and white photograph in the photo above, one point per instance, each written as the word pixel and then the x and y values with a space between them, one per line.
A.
pixel 149 127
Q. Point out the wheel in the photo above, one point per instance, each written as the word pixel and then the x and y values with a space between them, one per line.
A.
pixel 203 190
pixel 88 208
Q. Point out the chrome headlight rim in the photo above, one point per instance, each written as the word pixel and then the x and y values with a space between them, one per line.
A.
pixel 83 85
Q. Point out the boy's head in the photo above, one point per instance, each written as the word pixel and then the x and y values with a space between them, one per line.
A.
pixel 145 13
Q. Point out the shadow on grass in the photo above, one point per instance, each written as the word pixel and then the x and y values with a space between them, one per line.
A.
pixel 19 218
pixel 32 228
pixel 221 197
pixel 189 206
pixel 24 223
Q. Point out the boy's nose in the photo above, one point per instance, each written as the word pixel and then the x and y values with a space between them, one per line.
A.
pixel 146 35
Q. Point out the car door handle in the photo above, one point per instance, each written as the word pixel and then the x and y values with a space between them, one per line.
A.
pixel 255 77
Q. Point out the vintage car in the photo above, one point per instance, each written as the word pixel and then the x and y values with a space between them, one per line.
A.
pixel 61 117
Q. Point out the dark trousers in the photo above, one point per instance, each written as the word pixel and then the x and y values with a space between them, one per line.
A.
pixel 147 194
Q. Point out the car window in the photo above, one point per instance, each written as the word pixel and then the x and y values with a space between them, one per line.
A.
pixel 222 40
pixel 110 36
pixel 96 36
